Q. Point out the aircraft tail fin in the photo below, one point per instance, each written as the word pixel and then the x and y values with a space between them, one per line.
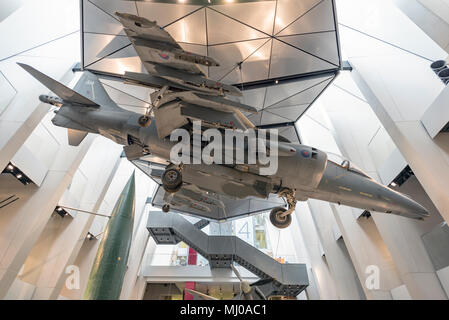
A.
pixel 58 88
pixel 76 136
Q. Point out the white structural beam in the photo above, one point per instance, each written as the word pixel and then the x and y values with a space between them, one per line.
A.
pixel 399 96
pixel 399 88
pixel 369 254
pixel 87 253
pixel 138 289
pixel 22 222
pixel 320 271
pixel 341 267
pixel 194 273
pixel 49 259
pixel 138 247
pixel 432 16
pixel 335 131
pixel 358 135
pixel 364 140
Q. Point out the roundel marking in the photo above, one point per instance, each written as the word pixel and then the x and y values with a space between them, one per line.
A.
pixel 164 56
pixel 305 153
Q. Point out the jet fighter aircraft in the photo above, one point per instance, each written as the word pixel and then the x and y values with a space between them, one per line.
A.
pixel 303 172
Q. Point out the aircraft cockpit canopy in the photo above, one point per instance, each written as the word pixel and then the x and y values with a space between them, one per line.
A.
pixel 345 163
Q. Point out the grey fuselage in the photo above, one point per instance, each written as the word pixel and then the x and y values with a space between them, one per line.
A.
pixel 312 177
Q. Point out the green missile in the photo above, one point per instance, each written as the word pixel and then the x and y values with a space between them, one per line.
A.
pixel 106 277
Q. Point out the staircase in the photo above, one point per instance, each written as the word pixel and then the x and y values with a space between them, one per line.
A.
pixel 171 228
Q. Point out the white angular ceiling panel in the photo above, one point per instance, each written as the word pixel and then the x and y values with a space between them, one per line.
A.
pixel 320 45
pixel 254 67
pixel 290 133
pixel 113 6
pixel 163 13
pixel 189 29
pixel 229 55
pixel 292 113
pixel 98 46
pixel 271 118
pixel 97 20
pixel 233 32
pixel 288 11
pixel 259 15
pixel 287 60
pixel 306 96
pixel 315 20
pixel 281 91
pixel 254 97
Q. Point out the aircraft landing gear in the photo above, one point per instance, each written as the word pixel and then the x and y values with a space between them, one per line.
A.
pixel 145 120
pixel 277 218
pixel 172 180
pixel 281 217
pixel 166 208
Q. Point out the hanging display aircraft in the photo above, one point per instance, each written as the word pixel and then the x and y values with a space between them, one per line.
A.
pixel 301 172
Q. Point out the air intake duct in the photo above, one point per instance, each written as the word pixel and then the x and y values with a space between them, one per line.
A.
pixel 441 70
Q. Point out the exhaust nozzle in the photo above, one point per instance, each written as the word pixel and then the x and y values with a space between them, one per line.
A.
pixel 438 65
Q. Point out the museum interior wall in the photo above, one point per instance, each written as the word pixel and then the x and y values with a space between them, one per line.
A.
pixel 370 115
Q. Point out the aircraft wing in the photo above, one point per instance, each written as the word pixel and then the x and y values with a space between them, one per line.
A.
pixel 177 108
pixel 201 203
pixel 155 46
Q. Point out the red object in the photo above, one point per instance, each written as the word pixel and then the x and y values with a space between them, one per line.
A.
pixel 193 256
pixel 189 285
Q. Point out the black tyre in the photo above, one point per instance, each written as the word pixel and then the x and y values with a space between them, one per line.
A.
pixel 171 180
pixel 277 220
pixel 166 208
pixel 172 190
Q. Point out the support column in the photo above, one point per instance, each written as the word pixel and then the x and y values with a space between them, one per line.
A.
pixel 432 16
pixel 24 112
pixel 399 88
pixel 336 254
pixel 141 282
pixel 379 79
pixel 22 222
pixel 368 252
pixel 324 281
pixel 86 255
pixel 139 244
pixel 50 260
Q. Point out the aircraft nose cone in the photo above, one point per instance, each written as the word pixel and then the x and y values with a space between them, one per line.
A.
pixel 410 208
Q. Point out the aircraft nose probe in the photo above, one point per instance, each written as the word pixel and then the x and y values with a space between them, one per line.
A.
pixel 55 101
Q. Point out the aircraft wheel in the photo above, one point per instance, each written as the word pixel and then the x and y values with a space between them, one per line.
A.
pixel 277 220
pixel 166 208
pixel 144 121
pixel 172 180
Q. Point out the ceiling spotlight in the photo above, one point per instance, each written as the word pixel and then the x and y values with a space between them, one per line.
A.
pixel 19 176
pixel 393 184
pixel 59 209
pixel 10 167
pixel 277 81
